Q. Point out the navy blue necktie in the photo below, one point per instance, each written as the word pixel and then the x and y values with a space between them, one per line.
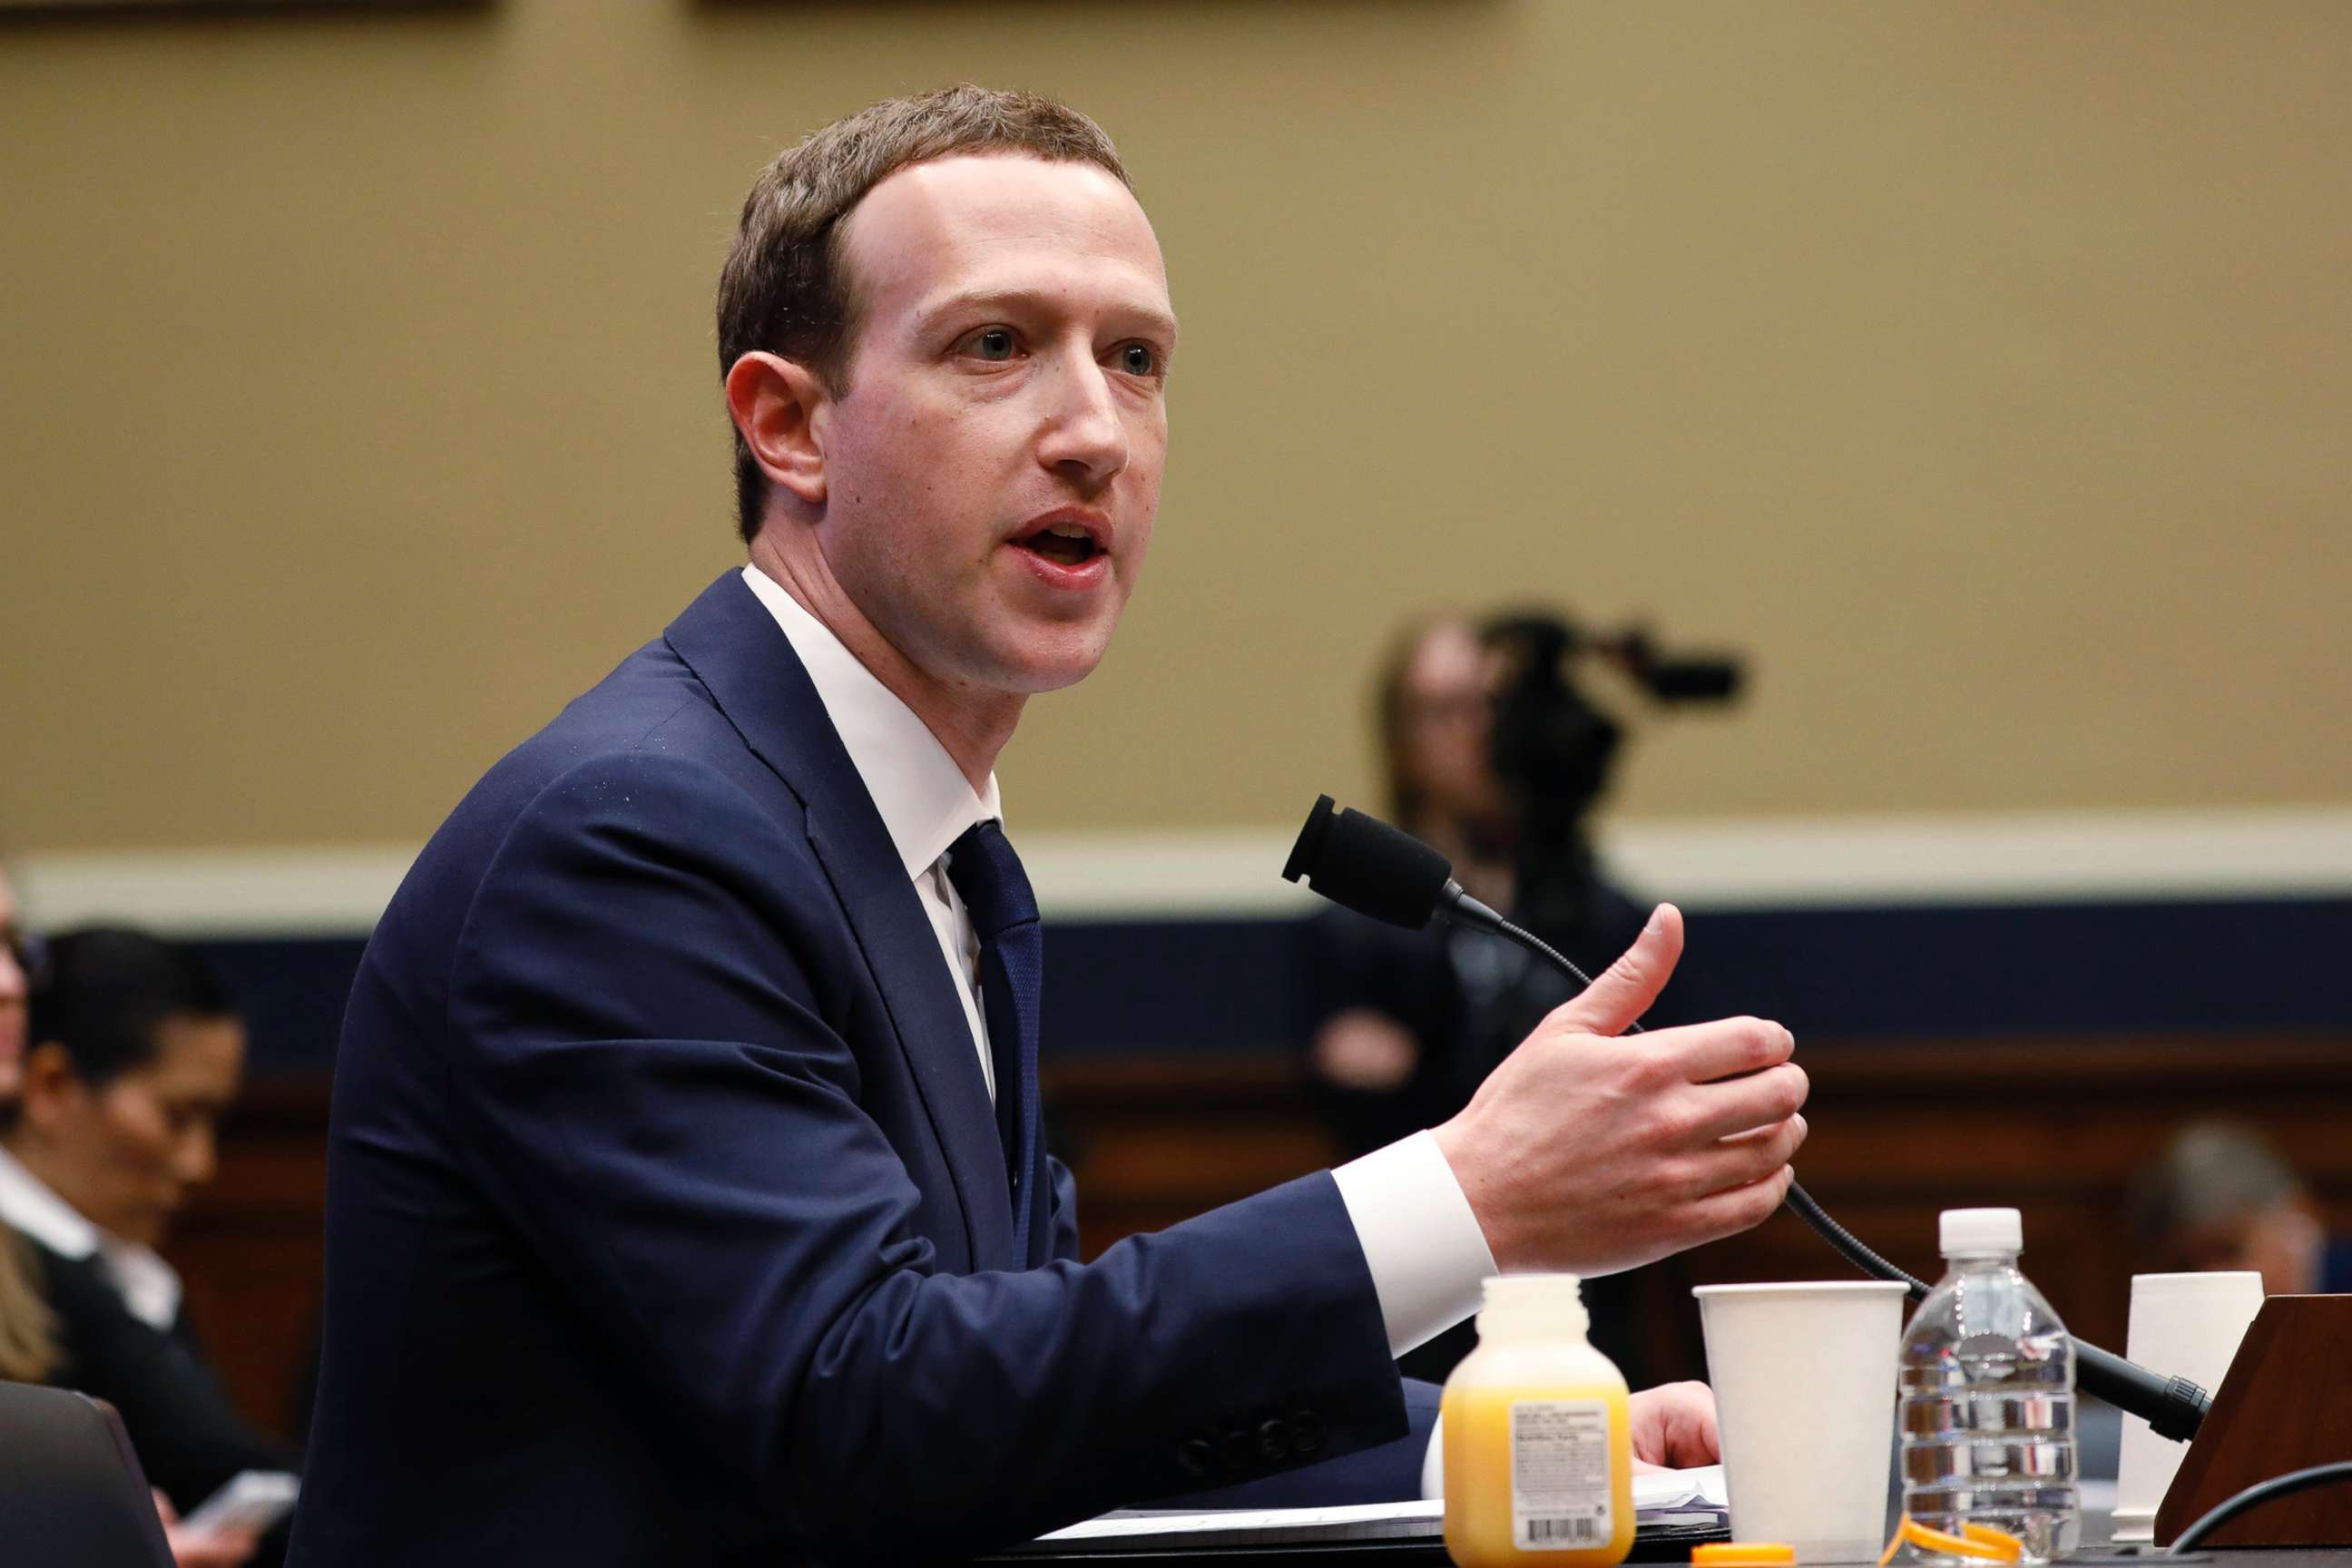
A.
pixel 995 890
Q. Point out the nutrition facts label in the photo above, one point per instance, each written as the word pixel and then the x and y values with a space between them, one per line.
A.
pixel 1559 1475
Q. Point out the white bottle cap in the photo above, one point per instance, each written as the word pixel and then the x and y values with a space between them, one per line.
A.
pixel 1980 1230
pixel 1541 1303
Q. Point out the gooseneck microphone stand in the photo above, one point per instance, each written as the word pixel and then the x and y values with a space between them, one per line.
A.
pixel 1387 874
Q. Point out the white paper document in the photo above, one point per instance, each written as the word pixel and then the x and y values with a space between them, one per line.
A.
pixel 1662 1498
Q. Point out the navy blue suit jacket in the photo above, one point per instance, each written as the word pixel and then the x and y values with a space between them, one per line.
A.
pixel 668 1219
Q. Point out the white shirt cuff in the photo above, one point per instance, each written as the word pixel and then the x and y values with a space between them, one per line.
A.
pixel 1427 1256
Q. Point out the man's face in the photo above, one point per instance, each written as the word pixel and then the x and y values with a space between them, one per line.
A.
pixel 992 470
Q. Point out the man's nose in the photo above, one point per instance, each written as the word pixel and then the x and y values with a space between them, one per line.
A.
pixel 196 1157
pixel 1084 439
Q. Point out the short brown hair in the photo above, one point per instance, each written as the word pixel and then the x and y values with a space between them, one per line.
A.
pixel 784 289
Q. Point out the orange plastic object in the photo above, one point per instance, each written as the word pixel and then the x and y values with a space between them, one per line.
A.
pixel 1978 1540
pixel 1743 1554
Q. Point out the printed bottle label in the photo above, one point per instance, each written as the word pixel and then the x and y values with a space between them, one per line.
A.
pixel 1559 1475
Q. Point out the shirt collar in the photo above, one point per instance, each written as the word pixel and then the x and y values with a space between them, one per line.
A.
pixel 149 1286
pixel 925 801
pixel 28 1202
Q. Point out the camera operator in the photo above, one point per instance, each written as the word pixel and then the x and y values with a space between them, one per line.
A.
pixel 1494 758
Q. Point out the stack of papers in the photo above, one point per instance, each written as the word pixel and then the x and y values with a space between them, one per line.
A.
pixel 1662 1499
pixel 1681 1499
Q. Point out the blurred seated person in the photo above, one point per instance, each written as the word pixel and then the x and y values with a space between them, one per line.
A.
pixel 1403 1026
pixel 133 1053
pixel 2222 1196
pixel 29 1338
pixel 30 1347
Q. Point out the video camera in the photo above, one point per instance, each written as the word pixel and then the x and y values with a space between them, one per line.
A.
pixel 1553 748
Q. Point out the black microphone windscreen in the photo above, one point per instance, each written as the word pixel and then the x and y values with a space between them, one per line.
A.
pixel 1369 867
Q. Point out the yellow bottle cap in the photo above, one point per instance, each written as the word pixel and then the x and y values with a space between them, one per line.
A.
pixel 1743 1554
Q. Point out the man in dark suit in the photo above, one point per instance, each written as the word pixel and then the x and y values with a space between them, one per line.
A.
pixel 685 1200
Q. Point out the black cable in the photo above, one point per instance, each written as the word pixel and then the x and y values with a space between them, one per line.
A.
pixel 2254 1496
pixel 1800 1202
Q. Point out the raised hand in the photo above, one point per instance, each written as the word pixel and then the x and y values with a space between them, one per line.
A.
pixel 1588 1153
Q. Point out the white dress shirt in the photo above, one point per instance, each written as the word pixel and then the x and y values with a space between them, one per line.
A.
pixel 150 1287
pixel 1421 1244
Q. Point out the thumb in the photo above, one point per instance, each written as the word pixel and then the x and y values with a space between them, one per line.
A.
pixel 1625 990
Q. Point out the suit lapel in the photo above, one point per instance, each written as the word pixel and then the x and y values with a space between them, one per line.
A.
pixel 738 652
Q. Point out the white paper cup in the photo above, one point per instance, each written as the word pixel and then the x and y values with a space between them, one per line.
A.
pixel 1804 1393
pixel 2182 1325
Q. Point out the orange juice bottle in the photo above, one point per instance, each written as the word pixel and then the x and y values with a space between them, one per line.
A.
pixel 1538 1444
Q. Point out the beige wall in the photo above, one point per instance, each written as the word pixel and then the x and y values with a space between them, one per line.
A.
pixel 1981 369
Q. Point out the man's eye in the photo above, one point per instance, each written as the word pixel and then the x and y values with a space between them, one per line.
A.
pixel 992 343
pixel 1138 359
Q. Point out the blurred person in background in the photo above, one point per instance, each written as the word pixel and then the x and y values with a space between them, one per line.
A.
pixel 1389 1004
pixel 1403 1026
pixel 2222 1196
pixel 131 1053
pixel 28 1330
pixel 1386 1002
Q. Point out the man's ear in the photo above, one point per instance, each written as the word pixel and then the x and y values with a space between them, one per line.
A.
pixel 49 1087
pixel 774 402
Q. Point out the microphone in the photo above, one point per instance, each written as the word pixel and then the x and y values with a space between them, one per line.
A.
pixel 1365 865
pixel 1381 872
pixel 1375 869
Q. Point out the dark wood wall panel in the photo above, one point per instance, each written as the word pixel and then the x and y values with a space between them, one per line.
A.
pixel 1900 1131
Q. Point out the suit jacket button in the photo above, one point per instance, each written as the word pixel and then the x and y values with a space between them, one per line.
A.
pixel 1197 1458
pixel 1274 1441
pixel 1237 1451
pixel 1306 1435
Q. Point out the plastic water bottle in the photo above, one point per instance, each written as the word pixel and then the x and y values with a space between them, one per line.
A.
pixel 1988 1381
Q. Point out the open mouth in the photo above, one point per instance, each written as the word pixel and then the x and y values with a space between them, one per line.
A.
pixel 1062 544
